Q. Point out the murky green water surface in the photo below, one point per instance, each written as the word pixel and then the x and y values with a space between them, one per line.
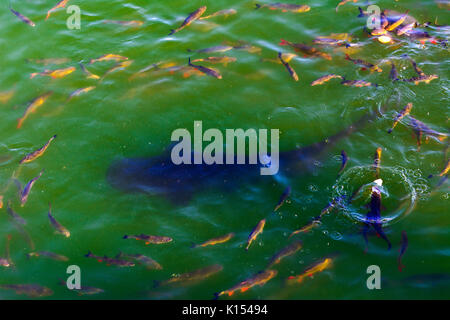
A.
pixel 125 117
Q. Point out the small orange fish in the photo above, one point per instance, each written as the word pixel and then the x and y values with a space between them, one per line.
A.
pixel 6 96
pixel 343 2
pixel 259 279
pixel 314 223
pixel 324 79
pixel 403 113
pixel 191 18
pixel 215 241
pixel 377 162
pixel 256 232
pixel 109 57
pixel 315 268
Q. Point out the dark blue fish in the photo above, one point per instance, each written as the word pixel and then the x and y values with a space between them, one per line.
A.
pixel 158 175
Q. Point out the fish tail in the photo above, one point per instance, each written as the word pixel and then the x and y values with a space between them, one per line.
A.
pixel 390 130
pixel 156 283
pixel 172 31
pixel 125 237
pixel 430 176
pixel 33 75
pixel 257 6
pixel 89 254
pixel 347 57
pixel 189 61
pixel 283 42
pixel 216 296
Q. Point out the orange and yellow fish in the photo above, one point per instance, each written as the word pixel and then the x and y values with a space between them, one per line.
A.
pixel 109 57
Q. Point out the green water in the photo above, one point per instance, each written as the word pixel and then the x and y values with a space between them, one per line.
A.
pixel 135 118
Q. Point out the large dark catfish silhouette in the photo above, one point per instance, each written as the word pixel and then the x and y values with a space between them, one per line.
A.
pixel 160 176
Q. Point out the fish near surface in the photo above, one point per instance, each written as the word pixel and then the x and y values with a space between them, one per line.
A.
pixel 193 276
pixel 31 290
pixel 159 176
pixel 22 17
pixel 373 218
pixel 260 279
pixel 32 107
